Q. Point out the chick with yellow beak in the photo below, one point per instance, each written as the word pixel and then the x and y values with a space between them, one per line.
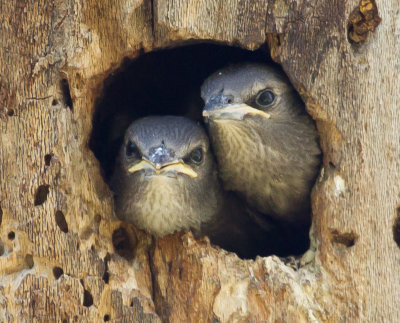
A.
pixel 265 143
pixel 165 178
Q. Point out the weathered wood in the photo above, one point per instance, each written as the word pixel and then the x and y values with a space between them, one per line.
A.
pixel 58 259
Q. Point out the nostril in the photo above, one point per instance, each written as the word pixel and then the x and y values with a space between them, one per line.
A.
pixel 227 99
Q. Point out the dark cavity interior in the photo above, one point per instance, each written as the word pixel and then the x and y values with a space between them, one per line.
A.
pixel 164 82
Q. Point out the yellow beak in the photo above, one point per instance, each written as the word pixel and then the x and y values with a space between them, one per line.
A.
pixel 178 167
pixel 234 112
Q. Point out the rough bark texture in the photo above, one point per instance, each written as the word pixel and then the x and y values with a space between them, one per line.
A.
pixel 60 258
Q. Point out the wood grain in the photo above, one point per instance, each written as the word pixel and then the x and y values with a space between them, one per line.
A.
pixel 351 90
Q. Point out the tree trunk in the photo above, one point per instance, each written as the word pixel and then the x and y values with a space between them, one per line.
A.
pixel 64 255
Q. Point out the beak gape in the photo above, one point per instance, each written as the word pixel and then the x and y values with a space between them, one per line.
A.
pixel 234 111
pixel 161 161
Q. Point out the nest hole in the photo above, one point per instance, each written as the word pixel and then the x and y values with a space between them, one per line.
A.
pixel 166 82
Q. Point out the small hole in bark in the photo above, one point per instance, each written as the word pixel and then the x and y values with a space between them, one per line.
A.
pixel 61 222
pixel 58 272
pixel 10 112
pixel 41 194
pixel 11 235
pixel 54 102
pixel 47 159
pixel 87 298
pixel 396 228
pixel 131 304
pixel 123 244
pixel 93 248
pixel 348 239
pixel 29 261
pixel 106 318
pixel 106 275
pixel 66 93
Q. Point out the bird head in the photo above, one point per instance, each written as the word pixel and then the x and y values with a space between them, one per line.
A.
pixel 248 92
pixel 167 147
pixel 165 173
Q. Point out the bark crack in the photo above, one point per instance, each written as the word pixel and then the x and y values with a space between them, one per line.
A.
pixel 153 18
pixel 150 252
pixel 39 99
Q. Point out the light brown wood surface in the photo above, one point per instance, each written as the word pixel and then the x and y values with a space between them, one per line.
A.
pixel 57 256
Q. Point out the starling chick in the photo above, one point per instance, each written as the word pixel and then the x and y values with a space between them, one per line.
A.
pixel 265 143
pixel 165 178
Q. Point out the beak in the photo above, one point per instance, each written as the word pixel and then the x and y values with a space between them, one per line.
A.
pixel 177 166
pixel 235 111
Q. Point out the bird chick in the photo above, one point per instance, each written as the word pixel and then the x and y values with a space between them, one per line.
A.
pixel 165 178
pixel 265 143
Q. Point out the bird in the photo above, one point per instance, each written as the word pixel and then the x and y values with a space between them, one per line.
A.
pixel 165 181
pixel 265 143
pixel 165 178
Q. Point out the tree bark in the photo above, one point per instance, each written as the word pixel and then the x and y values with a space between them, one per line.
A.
pixel 63 254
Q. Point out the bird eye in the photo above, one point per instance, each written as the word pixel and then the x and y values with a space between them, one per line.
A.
pixel 196 156
pixel 265 98
pixel 131 149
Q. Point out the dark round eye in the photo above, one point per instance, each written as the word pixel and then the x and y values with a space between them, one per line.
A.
pixel 131 149
pixel 196 156
pixel 265 98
